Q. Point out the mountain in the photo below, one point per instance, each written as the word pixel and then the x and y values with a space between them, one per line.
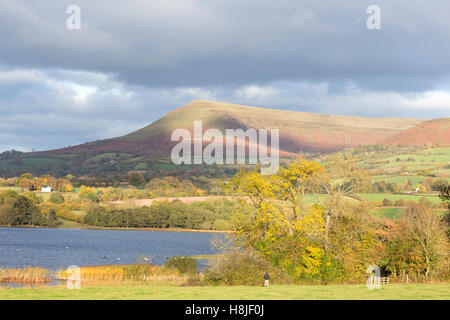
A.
pixel 432 132
pixel 299 131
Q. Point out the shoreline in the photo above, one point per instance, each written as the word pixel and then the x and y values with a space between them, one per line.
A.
pixel 124 229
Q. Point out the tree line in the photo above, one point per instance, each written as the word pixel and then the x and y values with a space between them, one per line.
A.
pixel 21 210
pixel 206 215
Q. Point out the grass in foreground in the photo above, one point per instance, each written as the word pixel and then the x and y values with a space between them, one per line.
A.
pixel 275 292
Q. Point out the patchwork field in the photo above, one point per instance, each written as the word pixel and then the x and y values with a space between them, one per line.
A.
pixel 39 162
pixel 401 179
pixel 393 197
pixel 410 160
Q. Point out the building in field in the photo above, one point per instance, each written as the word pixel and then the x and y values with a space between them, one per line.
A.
pixel 46 189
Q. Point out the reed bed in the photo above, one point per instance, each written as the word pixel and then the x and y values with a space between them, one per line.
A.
pixel 29 275
pixel 98 275
pixel 121 273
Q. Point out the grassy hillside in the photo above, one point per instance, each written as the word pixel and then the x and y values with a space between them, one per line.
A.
pixel 149 148
pixel 433 132
pixel 299 131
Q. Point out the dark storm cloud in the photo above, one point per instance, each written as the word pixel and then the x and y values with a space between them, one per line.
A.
pixel 185 43
pixel 132 61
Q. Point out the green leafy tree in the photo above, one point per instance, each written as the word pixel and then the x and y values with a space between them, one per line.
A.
pixel 136 179
pixel 26 212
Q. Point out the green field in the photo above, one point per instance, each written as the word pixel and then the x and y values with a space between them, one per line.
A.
pixel 141 166
pixel 433 159
pixel 67 195
pixel 390 196
pixel 390 213
pixel 30 162
pixel 430 156
pixel 17 189
pixel 108 156
pixel 401 179
pixel 275 292
pixel 317 198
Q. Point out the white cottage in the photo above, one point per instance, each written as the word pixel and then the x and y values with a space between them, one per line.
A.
pixel 46 189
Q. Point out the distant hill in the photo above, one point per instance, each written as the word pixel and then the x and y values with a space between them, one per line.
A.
pixel 432 132
pixel 299 131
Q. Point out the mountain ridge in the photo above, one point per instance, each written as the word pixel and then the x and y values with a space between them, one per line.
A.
pixel 299 131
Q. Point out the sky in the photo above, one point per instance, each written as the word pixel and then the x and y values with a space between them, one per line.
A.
pixel 131 62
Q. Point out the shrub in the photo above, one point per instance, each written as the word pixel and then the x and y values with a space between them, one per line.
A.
pixel 56 198
pixel 242 267
pixel 185 264
pixel 438 184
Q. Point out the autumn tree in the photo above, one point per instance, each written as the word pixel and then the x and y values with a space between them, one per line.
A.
pixel 444 194
pixel 136 179
pixel 292 183
pixel 278 199
pixel 424 229
pixel 353 242
pixel 6 214
pixel 343 178
pixel 63 185
pixel 277 222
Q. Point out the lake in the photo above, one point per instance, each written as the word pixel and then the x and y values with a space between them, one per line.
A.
pixel 56 248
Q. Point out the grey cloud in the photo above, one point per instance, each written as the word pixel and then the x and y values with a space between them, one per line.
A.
pixel 204 42
pixel 133 61
pixel 57 112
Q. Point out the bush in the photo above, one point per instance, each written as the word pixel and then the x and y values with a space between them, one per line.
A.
pixel 56 198
pixel 438 184
pixel 221 224
pixel 185 265
pixel 243 267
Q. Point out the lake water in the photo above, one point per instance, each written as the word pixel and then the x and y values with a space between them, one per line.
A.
pixel 56 248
